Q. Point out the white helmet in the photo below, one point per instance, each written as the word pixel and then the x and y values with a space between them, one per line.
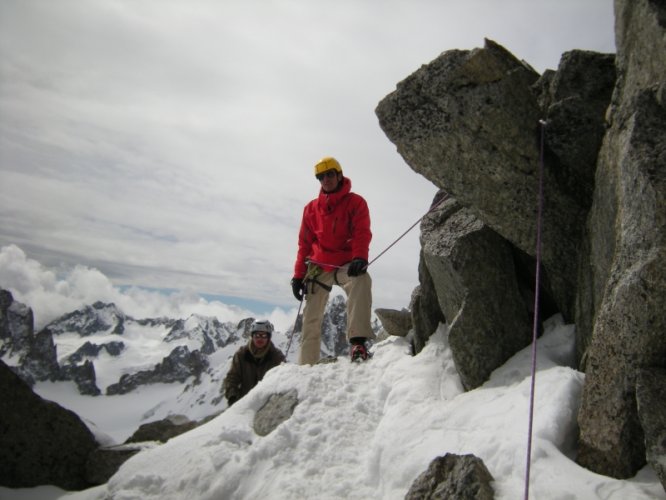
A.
pixel 262 326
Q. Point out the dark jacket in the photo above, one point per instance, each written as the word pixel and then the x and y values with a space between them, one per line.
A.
pixel 247 370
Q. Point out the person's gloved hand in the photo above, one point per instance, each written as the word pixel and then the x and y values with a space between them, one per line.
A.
pixel 232 399
pixel 357 267
pixel 298 288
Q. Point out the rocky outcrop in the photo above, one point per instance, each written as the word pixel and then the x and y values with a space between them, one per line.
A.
pixel 40 442
pixel 90 320
pixel 453 477
pixel 573 101
pixel 625 269
pixel 178 366
pixel 16 324
pixel 40 361
pixel 6 300
pixel 471 122
pixel 90 350
pixel 36 353
pixel 426 312
pixel 396 323
pixel 277 409
pixel 80 368
pixel 472 269
pixel 468 121
pixel 208 331
pixel 162 430
pixel 104 462
pixel 651 406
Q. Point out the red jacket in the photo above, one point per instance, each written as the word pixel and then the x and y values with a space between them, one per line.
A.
pixel 334 230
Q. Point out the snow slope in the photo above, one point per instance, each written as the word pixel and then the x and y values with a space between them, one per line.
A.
pixel 368 430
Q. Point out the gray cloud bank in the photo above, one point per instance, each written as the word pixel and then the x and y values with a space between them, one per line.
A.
pixel 170 144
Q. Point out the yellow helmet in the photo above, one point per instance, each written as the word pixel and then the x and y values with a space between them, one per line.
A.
pixel 327 163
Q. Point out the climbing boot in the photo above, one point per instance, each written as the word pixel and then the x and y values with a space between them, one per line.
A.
pixel 358 353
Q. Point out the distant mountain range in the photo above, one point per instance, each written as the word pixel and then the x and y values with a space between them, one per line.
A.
pixel 106 352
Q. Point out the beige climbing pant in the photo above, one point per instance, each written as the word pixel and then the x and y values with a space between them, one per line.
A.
pixel 359 305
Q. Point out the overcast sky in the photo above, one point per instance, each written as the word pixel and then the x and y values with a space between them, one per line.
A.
pixel 171 143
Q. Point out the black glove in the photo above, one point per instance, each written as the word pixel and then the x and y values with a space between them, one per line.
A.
pixel 298 288
pixel 357 267
pixel 232 400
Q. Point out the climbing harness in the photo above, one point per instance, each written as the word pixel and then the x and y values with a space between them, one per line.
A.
pixel 311 277
pixel 537 286
pixel 314 266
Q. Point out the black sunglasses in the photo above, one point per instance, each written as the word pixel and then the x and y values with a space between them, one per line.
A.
pixel 328 173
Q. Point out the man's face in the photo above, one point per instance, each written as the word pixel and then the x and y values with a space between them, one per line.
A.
pixel 329 180
pixel 260 339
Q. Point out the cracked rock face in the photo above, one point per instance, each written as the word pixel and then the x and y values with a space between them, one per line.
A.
pixel 469 122
pixel 42 443
pixel 627 244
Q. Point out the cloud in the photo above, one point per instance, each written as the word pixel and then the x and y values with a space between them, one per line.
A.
pixel 52 293
pixel 170 144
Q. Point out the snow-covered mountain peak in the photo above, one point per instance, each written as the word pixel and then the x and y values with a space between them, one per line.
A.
pixel 99 351
pixel 92 319
pixel 208 331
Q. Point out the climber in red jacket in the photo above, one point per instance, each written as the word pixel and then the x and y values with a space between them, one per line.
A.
pixel 333 247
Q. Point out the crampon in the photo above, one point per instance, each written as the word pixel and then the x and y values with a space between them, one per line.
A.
pixel 359 353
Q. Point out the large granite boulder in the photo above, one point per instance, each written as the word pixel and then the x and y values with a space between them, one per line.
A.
pixel 460 477
pixel 626 238
pixel 469 122
pixel 574 100
pixel 473 272
pixel 40 442
pixel 397 323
